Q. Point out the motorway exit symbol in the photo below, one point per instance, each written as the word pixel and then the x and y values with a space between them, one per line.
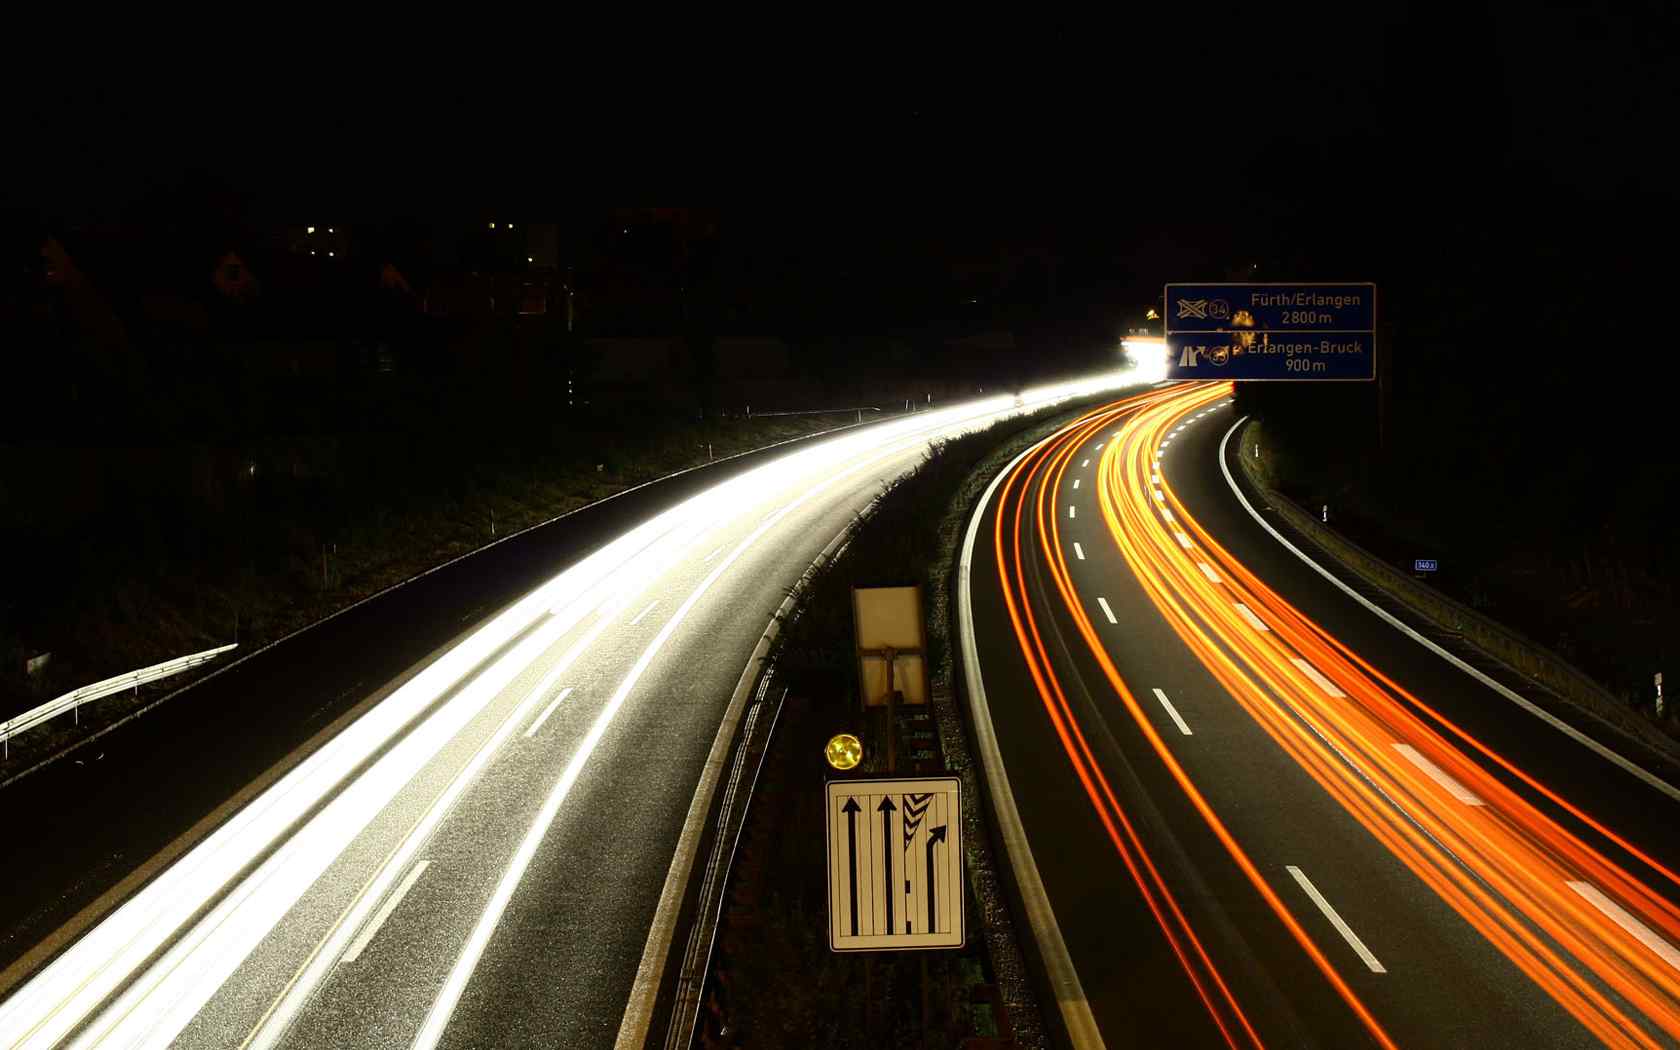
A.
pixel 1270 331
pixel 895 869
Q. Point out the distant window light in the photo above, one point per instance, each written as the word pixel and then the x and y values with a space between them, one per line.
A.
pixel 329 229
pixel 510 225
pixel 626 229
pixel 311 251
pixel 329 254
pixel 309 229
pixel 530 258
pixel 492 226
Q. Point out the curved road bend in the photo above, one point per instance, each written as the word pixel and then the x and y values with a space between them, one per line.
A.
pixel 476 860
pixel 1264 815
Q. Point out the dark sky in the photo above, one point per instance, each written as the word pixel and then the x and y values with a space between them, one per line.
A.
pixel 1330 130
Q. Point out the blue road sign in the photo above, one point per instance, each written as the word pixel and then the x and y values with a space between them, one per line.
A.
pixel 1271 308
pixel 1271 355
pixel 1271 331
pixel 1425 565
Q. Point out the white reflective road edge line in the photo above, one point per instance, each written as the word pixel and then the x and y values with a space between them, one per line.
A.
pixel 1439 775
pixel 1106 610
pixel 1336 920
pixel 1625 764
pixel 1207 570
pixel 1173 711
pixel 361 942
pixel 638 1014
pixel 549 710
pixel 1312 672
pixel 1619 915
pixel 1077 549
pixel 1041 918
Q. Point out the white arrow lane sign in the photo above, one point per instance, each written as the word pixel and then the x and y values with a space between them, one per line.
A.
pixel 895 868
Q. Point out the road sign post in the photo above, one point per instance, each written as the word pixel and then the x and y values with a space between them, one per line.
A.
pixel 1271 331
pixel 895 864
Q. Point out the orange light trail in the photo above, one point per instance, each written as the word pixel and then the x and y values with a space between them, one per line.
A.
pixel 1505 866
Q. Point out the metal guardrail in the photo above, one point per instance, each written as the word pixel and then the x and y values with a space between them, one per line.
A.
pixel 73 700
pixel 859 409
pixel 1524 655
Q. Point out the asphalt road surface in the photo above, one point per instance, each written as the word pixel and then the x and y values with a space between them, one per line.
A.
pixel 1263 814
pixel 476 859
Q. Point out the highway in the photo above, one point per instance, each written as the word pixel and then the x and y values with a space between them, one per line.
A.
pixel 479 859
pixel 1263 814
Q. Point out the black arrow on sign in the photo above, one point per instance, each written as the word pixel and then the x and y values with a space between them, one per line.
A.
pixel 851 810
pixel 934 835
pixel 886 809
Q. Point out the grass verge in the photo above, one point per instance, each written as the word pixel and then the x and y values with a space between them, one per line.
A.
pixel 774 980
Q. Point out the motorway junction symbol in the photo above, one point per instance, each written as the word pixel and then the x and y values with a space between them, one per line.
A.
pixel 1271 331
pixel 895 868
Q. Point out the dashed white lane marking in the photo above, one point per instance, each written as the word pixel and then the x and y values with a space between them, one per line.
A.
pixel 1336 920
pixel 549 710
pixel 1070 510
pixel 1097 445
pixel 644 612
pixel 1077 549
pixel 1084 462
pixel 1173 711
pixel 1075 482
pixel 1183 540
pixel 1439 775
pixel 1106 610
pixel 1312 672
pixel 1619 915
pixel 1159 496
pixel 710 556
pixel 1207 570
pixel 1248 614
pixel 362 940
pixel 1154 479
pixel 1166 515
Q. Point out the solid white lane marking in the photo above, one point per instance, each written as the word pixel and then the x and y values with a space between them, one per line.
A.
pixel 1077 549
pixel 710 556
pixel 644 612
pixel 1439 775
pixel 1620 761
pixel 1173 711
pixel 1075 482
pixel 1084 462
pixel 1070 510
pixel 1248 614
pixel 549 710
pixel 1312 672
pixel 1106 610
pixel 1207 570
pixel 1336 920
pixel 361 942
pixel 1619 915
pixel 1183 540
